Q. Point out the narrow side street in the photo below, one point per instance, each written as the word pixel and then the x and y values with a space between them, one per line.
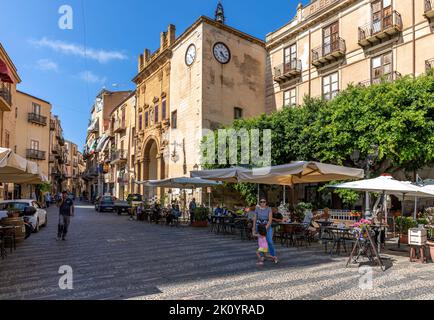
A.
pixel 114 258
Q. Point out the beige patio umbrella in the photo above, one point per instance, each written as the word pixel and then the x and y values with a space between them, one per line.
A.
pixel 287 175
pixel 11 163
pixel 16 169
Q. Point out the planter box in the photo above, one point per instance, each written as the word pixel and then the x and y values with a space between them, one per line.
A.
pixel 417 237
pixel 200 224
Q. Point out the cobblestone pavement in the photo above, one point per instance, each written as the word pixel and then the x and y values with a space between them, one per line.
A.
pixel 113 258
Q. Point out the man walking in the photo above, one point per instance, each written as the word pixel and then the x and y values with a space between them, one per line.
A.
pixel 66 211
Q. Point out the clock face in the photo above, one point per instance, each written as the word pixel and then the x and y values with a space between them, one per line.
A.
pixel 222 53
pixel 190 55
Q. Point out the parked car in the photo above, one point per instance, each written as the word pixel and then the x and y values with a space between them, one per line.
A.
pixel 122 207
pixel 105 203
pixel 29 209
pixel 135 199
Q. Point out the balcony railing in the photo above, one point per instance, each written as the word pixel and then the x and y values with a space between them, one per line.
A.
pixel 52 125
pixel 5 98
pixel 329 52
pixel 37 118
pixel 429 65
pixel 379 31
pixel 36 154
pixel 429 9
pixel 51 158
pixel 119 126
pixel 382 78
pixel 119 156
pixel 287 71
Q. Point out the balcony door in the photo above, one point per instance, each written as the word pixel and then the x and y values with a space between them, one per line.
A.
pixel 36 109
pixel 382 67
pixel 381 15
pixel 331 38
pixel 290 57
pixel 34 145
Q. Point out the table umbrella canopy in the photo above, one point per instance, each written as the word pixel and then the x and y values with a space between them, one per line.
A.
pixel 385 184
pixel 11 163
pixel 180 183
pixel 289 174
pixel 16 169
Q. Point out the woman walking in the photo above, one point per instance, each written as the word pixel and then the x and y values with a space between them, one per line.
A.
pixel 264 216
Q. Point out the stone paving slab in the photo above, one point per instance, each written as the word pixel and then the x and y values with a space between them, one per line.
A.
pixel 114 258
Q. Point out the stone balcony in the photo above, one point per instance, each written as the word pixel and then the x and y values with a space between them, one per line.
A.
pixel 377 32
pixel 329 53
pixel 288 71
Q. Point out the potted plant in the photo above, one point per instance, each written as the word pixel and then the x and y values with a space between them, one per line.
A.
pixel 404 224
pixel 300 211
pixel 201 215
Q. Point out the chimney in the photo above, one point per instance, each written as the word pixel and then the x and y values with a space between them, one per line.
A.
pixel 141 62
pixel 171 34
pixel 163 38
pixel 147 56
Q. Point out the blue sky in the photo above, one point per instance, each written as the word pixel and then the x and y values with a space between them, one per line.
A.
pixel 51 63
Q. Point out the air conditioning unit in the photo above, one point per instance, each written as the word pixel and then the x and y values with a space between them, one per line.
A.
pixel 417 237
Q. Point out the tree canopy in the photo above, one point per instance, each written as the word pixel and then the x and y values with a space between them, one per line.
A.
pixel 396 116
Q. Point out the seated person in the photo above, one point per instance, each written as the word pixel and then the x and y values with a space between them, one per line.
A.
pixel 277 216
pixel 218 211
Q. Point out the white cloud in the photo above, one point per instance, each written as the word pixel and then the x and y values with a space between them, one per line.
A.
pixel 90 77
pixel 102 56
pixel 47 65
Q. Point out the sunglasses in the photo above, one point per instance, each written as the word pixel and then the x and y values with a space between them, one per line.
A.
pixel 263 202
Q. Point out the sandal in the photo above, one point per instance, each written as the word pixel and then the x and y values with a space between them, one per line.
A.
pixel 276 260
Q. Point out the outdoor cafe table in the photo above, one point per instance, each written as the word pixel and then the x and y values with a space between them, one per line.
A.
pixel 340 235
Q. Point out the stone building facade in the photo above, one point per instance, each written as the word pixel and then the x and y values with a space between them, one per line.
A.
pixel 330 44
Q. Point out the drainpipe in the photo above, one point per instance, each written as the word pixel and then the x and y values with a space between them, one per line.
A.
pixel 414 39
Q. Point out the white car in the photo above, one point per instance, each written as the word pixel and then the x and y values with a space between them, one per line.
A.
pixel 28 208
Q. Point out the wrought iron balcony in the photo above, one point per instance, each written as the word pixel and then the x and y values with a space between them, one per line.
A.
pixel 380 31
pixel 119 156
pixel 429 9
pixel 287 71
pixel 37 118
pixel 5 97
pixel 51 158
pixel 328 53
pixel 52 125
pixel 35 154
pixel 380 79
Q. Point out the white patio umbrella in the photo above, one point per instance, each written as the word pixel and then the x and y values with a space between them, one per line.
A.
pixel 230 175
pixel 386 185
pixel 11 163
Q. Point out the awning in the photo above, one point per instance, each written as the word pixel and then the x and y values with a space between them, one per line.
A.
pixel 102 143
pixel 16 169
pixel 92 126
pixel 5 74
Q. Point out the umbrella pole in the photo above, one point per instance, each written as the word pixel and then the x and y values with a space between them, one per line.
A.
pixel 258 194
pixel 415 208
pixel 284 195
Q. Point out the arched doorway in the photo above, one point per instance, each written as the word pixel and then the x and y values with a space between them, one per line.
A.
pixel 153 168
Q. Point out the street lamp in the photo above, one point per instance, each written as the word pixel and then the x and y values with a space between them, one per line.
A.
pixel 367 164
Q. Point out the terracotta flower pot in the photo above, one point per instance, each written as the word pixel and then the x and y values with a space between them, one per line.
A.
pixel 403 238
pixel 430 245
pixel 200 224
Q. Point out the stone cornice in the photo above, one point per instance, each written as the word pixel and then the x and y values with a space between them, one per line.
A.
pixel 302 26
